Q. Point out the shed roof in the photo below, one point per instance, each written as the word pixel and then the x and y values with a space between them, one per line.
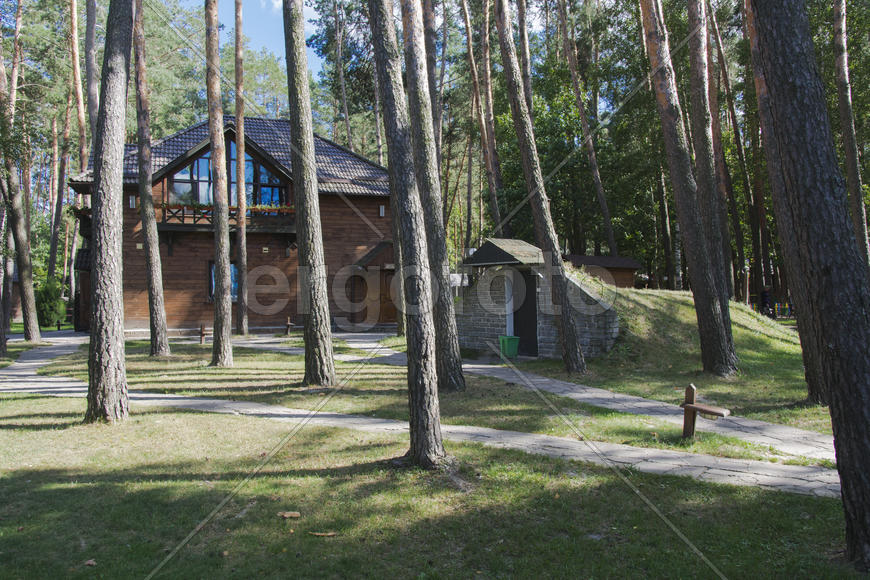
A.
pixel 503 251
pixel 339 170
pixel 616 262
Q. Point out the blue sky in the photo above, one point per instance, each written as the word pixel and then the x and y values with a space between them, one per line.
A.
pixel 264 25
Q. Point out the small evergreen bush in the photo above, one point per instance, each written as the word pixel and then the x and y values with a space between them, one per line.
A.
pixel 50 307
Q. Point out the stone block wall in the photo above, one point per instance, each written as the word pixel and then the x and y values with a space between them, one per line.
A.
pixel 480 312
pixel 595 318
pixel 481 316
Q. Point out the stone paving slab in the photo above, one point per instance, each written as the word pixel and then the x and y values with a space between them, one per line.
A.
pixel 21 377
pixel 780 437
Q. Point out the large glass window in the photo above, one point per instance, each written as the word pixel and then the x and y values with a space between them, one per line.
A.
pixel 234 281
pixel 192 184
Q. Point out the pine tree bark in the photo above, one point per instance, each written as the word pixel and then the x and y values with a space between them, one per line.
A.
pixel 60 188
pixel 107 371
pixel 338 17
pixel 812 211
pixel 430 32
pixel 319 364
pixel 52 180
pixel 77 84
pixel 379 124
pixel 153 270
pixel 449 361
pixel 588 142
pixel 489 159
pixel 667 241
pixel 500 229
pixel 241 188
pixel 525 56
pixel 725 185
pixel 91 79
pixel 711 204
pixel 812 341
pixel 545 232
pixel 222 346
pixel 427 448
pixel 16 213
pixel 847 124
pixel 717 353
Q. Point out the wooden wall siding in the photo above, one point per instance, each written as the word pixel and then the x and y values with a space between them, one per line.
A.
pixel 347 237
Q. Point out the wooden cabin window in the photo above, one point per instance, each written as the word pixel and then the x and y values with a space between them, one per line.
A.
pixel 192 184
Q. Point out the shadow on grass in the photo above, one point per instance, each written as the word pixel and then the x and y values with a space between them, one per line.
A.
pixel 501 513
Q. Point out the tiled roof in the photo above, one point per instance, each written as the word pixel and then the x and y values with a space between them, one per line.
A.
pixel 338 169
pixel 497 251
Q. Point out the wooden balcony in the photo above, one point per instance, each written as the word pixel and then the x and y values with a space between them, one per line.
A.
pixel 171 217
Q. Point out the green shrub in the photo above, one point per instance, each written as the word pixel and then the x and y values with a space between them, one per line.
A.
pixel 50 307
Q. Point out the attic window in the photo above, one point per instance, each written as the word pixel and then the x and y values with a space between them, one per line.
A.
pixel 192 184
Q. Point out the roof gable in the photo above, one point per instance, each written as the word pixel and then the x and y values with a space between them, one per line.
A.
pixel 502 251
pixel 339 170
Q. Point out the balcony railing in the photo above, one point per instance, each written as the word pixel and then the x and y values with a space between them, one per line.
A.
pixel 204 214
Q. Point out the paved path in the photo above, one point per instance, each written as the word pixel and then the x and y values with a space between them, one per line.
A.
pixel 780 437
pixel 21 377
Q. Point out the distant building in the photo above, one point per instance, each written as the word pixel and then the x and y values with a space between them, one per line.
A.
pixel 510 295
pixel 355 215
pixel 616 270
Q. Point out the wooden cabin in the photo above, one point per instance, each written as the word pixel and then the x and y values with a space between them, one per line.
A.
pixel 354 198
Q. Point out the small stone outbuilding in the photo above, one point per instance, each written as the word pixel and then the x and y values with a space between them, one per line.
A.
pixel 510 294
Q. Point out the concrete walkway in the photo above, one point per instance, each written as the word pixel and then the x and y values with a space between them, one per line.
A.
pixel 785 439
pixel 21 377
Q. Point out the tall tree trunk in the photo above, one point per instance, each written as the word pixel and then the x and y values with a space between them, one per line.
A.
pixel 711 204
pixel 545 232
pixel 468 195
pixel 812 211
pixel 430 31
pixel 724 184
pixel 847 124
pixel 319 365
pixel 667 242
pixel 5 298
pixel 813 343
pixel 525 56
pixel 91 78
pixel 16 215
pixel 72 260
pixel 338 16
pixel 222 346
pixel 500 229
pixel 27 174
pixel 588 141
pixel 379 124
pixel 52 180
pixel 8 263
pixel 448 359
pixel 241 189
pixel 77 84
pixel 427 448
pixel 60 188
pixel 153 271
pixel 741 155
pixel 489 159
pixel 717 353
pixel 107 384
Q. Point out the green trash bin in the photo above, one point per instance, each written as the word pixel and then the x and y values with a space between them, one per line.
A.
pixel 509 345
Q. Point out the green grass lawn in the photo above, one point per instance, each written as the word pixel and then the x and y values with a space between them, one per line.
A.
pixel 124 496
pixel 18 327
pixel 658 354
pixel 381 391
pixel 13 351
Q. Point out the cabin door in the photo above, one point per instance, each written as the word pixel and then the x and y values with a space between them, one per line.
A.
pixel 526 316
